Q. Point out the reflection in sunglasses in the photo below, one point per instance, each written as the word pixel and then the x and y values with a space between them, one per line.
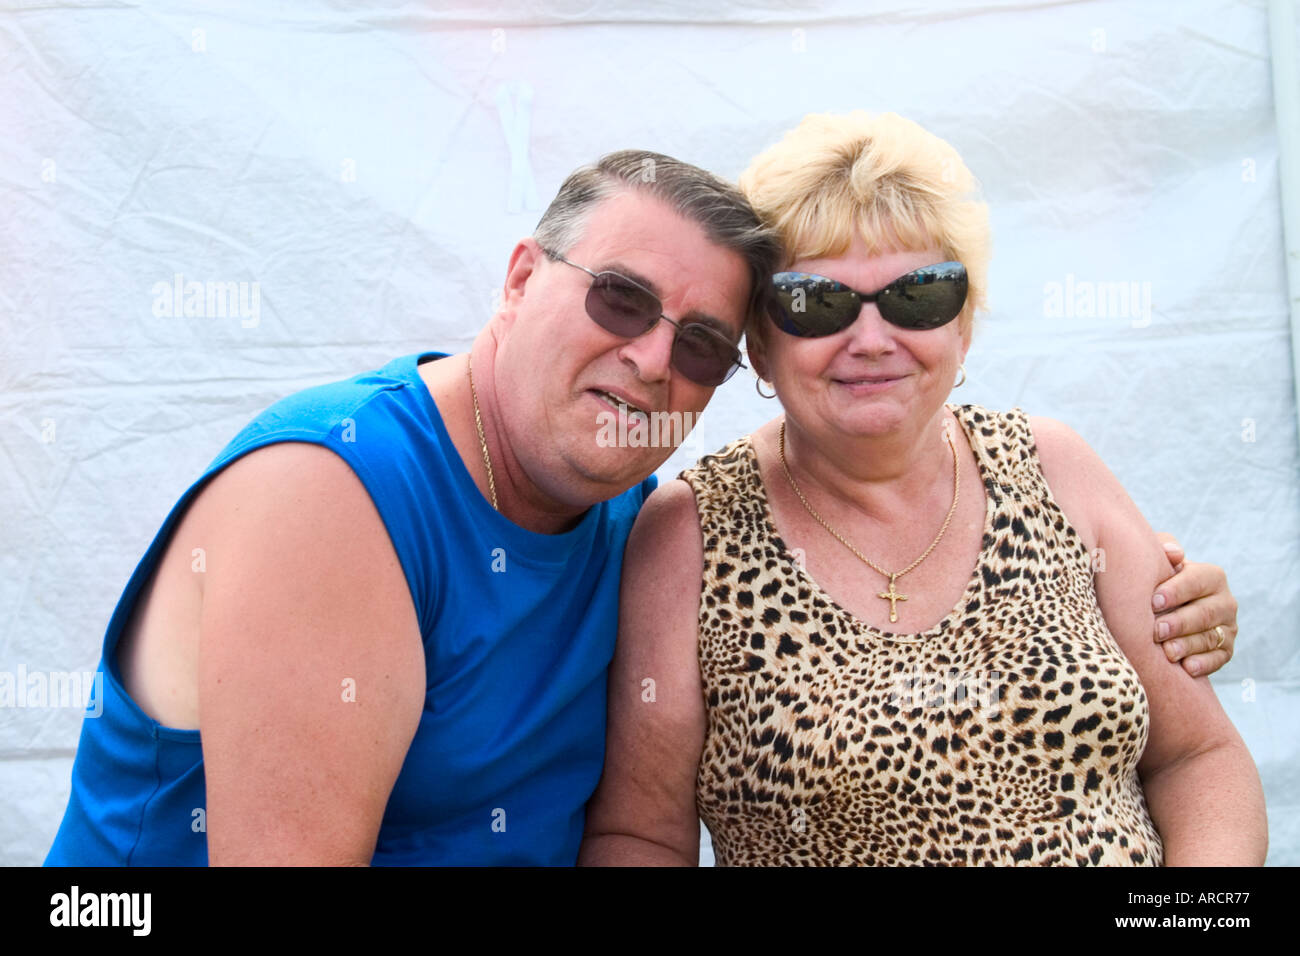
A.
pixel 925 298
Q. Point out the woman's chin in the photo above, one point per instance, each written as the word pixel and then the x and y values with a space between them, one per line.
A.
pixel 873 425
pixel 880 420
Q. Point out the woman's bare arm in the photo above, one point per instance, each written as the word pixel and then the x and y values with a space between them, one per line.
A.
pixel 643 812
pixel 1201 784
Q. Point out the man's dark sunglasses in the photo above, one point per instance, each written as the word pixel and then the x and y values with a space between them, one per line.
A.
pixel 627 309
pixel 811 306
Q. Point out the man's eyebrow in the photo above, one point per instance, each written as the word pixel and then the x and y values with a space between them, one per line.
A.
pixel 701 318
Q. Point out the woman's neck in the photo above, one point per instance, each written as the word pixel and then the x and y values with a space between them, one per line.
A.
pixel 883 477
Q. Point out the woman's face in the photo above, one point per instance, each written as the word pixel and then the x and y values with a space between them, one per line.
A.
pixel 871 379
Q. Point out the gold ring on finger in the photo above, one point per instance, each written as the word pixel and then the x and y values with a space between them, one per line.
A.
pixel 1218 629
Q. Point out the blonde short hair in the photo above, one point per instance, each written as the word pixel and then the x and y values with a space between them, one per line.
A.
pixel 899 186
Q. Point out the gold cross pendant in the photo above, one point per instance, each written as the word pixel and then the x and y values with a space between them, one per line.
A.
pixel 893 597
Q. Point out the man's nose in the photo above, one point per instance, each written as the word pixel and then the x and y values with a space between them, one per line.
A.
pixel 651 354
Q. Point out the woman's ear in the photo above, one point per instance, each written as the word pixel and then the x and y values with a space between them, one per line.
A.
pixel 756 349
pixel 967 324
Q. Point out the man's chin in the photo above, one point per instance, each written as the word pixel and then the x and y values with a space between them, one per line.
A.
pixel 612 471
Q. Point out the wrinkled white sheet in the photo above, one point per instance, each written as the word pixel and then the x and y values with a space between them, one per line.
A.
pixel 370 171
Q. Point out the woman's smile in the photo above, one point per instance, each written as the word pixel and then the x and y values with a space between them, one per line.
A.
pixel 862 385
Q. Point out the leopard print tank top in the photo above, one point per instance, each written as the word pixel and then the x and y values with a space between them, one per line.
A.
pixel 1009 733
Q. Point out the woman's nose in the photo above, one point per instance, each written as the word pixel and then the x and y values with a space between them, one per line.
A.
pixel 871 334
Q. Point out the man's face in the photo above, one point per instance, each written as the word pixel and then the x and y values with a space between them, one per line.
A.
pixel 557 368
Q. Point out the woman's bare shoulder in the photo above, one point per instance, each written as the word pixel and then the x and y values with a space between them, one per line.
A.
pixel 667 530
pixel 1078 478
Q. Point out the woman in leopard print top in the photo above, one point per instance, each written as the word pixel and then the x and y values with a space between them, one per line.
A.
pixel 813 710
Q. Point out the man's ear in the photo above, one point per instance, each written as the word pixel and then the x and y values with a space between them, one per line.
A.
pixel 524 260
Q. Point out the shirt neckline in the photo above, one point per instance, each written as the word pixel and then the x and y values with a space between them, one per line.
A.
pixel 973 586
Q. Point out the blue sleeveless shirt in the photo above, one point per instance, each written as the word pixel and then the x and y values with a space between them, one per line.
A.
pixel 518 630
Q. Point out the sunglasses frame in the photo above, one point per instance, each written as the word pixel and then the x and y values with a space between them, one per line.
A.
pixel 938 272
pixel 682 328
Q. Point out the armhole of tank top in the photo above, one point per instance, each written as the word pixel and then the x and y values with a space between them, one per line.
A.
pixel 1067 535
pixel 702 479
pixel 128 606
pixel 128 603
pixel 1014 471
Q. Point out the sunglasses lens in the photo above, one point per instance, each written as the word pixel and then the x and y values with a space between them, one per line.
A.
pixel 926 298
pixel 618 306
pixel 811 306
pixel 704 356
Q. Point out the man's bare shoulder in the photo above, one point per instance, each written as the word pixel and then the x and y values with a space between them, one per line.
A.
pixel 300 511
pixel 261 539
pixel 278 478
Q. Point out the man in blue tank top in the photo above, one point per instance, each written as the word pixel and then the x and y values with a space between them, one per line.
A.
pixel 376 629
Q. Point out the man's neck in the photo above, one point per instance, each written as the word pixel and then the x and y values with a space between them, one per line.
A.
pixel 517 496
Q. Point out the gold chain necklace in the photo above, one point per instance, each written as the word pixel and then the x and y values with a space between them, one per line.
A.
pixel 482 441
pixel 892 595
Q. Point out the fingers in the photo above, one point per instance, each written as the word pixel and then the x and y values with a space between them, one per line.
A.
pixel 1173 550
pixel 1199 643
pixel 1202 653
pixel 1195 599
pixel 1203 664
pixel 1200 615
pixel 1189 608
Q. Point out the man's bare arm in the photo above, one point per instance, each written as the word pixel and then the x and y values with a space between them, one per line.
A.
pixel 311 666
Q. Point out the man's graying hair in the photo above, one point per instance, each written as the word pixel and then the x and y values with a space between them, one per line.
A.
pixel 717 206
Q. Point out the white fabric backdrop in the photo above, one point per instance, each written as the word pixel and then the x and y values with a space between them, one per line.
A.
pixel 355 165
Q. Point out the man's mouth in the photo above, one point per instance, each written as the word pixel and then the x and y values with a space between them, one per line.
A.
pixel 634 412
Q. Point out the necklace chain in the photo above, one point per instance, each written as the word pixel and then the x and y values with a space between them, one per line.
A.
pixel 482 440
pixel 892 596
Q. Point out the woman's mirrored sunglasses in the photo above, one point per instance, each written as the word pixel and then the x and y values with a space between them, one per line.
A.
pixel 627 309
pixel 811 306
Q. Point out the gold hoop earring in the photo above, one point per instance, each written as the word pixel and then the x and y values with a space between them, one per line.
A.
pixel 961 381
pixel 758 387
